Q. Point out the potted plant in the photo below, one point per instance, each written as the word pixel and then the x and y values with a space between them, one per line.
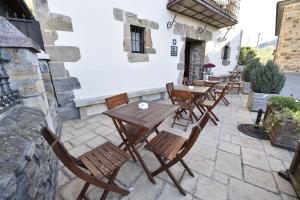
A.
pixel 207 70
pixel 282 122
pixel 266 81
pixel 247 74
pixel 247 54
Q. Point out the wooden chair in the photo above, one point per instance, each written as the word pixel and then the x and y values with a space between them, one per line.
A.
pixel 170 88
pixel 210 105
pixel 170 149
pixel 185 100
pixel 102 162
pixel 129 132
pixel 126 131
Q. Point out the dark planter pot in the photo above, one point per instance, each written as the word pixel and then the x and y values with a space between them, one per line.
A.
pixel 285 134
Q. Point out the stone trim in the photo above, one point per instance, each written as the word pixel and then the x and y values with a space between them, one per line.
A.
pixel 63 84
pixel 128 19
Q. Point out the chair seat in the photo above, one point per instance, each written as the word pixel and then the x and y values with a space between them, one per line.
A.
pixel 103 160
pixel 166 145
pixel 207 103
pixel 184 105
pixel 133 130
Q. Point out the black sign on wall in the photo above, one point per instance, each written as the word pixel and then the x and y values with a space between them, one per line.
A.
pixel 174 50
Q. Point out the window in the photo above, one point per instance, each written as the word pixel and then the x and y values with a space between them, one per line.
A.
pixel 137 39
pixel 226 53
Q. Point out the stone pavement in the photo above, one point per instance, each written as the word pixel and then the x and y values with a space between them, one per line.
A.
pixel 227 164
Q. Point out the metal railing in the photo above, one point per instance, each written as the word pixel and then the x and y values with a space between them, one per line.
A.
pixel 231 7
pixel 8 97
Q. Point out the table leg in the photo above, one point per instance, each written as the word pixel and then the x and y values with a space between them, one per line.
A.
pixel 139 157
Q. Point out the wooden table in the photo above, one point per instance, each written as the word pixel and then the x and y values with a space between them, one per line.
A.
pixel 193 89
pixel 144 120
pixel 197 91
pixel 208 83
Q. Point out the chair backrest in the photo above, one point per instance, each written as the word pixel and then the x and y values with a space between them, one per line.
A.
pixel 182 96
pixel 170 88
pixel 62 154
pixel 194 135
pixel 220 97
pixel 117 100
pixel 185 81
pixel 199 83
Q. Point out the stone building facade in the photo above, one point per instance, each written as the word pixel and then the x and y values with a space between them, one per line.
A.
pixel 287 54
pixel 63 83
pixel 28 168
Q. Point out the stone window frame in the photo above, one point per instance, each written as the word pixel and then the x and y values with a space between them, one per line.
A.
pixel 129 19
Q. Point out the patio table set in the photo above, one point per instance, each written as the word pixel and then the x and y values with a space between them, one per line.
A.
pixel 134 126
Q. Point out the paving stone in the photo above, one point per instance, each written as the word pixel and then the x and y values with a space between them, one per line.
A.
pixel 276 165
pixel 284 186
pixel 104 130
pixel 255 158
pixel 72 190
pixel 95 142
pixel 202 165
pixel 144 189
pixel 230 148
pixel 207 141
pixel 277 152
pixel 68 145
pixel 204 151
pixel 229 164
pixel 82 138
pixel 219 176
pixel 95 193
pixel 225 137
pixel 62 179
pixel 209 189
pixel 287 197
pixel 93 125
pixel 79 150
pixel 171 192
pixel 189 183
pixel 247 142
pixel 239 190
pixel 129 173
pixel 260 178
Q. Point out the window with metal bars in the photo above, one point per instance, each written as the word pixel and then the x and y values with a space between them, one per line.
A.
pixel 226 53
pixel 137 39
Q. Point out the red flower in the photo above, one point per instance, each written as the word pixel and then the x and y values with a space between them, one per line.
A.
pixel 209 65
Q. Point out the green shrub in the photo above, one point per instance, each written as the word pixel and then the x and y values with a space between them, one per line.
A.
pixel 284 102
pixel 246 54
pixel 249 68
pixel 267 79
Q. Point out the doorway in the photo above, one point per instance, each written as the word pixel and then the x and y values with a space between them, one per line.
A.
pixel 194 60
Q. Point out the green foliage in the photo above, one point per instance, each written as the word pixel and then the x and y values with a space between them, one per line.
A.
pixel 287 109
pixel 266 54
pixel 267 79
pixel 253 64
pixel 282 102
pixel 246 54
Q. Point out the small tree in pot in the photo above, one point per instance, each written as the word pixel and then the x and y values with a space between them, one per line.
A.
pixel 266 81
pixel 282 121
pixel 246 75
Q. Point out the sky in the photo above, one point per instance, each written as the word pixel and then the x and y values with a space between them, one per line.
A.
pixel 257 16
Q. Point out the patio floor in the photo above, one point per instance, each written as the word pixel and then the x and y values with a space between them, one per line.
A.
pixel 227 164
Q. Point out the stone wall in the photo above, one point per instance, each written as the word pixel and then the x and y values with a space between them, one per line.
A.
pixel 27 165
pixel 63 84
pixel 287 55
